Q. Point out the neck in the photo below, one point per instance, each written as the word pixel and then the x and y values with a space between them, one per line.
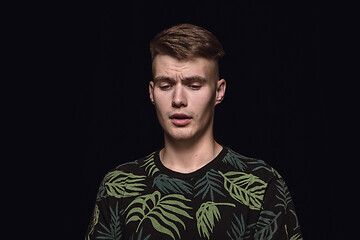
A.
pixel 189 155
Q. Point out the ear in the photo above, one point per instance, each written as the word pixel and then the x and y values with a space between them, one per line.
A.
pixel 220 91
pixel 151 92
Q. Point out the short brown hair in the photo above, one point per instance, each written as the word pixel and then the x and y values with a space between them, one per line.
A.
pixel 185 41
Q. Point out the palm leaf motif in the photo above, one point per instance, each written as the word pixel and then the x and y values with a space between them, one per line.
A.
pixel 94 221
pixel 261 163
pixel 209 183
pixel 284 194
pixel 245 188
pixel 163 212
pixel 206 215
pixel 239 230
pixel 296 220
pixel 235 159
pixel 276 173
pixel 267 225
pixel 167 184
pixel 149 165
pixel 102 191
pixel 296 237
pixel 113 231
pixel 121 184
pixel 139 236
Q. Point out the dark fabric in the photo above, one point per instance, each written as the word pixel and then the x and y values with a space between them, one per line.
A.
pixel 232 197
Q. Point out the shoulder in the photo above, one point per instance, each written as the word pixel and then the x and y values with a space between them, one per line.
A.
pixel 136 169
pixel 127 179
pixel 234 161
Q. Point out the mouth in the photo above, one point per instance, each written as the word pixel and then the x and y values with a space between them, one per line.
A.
pixel 180 119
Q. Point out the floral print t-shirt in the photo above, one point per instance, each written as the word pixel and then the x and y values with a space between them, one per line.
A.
pixel 232 197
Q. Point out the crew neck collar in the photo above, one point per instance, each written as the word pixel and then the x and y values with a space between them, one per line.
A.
pixel 198 172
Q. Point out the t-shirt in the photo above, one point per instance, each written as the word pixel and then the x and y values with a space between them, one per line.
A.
pixel 232 197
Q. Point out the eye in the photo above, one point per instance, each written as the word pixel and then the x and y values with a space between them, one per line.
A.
pixel 195 86
pixel 165 86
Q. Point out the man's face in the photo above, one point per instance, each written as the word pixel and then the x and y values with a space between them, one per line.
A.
pixel 185 94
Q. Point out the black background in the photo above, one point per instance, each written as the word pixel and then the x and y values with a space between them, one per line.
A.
pixel 275 107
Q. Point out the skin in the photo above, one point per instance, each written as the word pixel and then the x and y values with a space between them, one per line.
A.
pixel 191 87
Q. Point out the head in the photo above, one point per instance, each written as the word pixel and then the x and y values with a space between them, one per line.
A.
pixel 186 86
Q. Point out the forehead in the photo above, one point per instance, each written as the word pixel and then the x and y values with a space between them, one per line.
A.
pixel 166 65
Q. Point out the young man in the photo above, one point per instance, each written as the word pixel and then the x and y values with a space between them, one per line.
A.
pixel 193 188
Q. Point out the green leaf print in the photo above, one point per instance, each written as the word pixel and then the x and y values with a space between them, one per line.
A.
pixel 245 188
pixel 296 236
pixel 283 194
pixel 113 231
pixel 206 215
pixel 149 165
pixel 267 224
pixel 102 191
pixel 121 184
pixel 209 184
pixel 139 236
pixel 163 212
pixel 261 163
pixel 167 184
pixel 241 162
pixel 235 160
pixel 296 220
pixel 94 221
pixel 239 230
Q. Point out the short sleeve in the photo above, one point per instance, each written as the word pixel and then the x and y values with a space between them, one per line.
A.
pixel 106 220
pixel 277 218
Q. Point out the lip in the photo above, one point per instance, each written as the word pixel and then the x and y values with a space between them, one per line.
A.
pixel 180 119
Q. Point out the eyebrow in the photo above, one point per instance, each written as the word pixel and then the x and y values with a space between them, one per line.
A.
pixel 194 78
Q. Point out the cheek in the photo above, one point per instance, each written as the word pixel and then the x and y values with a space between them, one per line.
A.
pixel 205 106
pixel 161 105
pixel 161 97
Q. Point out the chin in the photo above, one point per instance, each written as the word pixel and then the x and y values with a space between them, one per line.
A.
pixel 181 134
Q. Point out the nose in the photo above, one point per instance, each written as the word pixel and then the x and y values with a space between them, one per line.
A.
pixel 179 98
